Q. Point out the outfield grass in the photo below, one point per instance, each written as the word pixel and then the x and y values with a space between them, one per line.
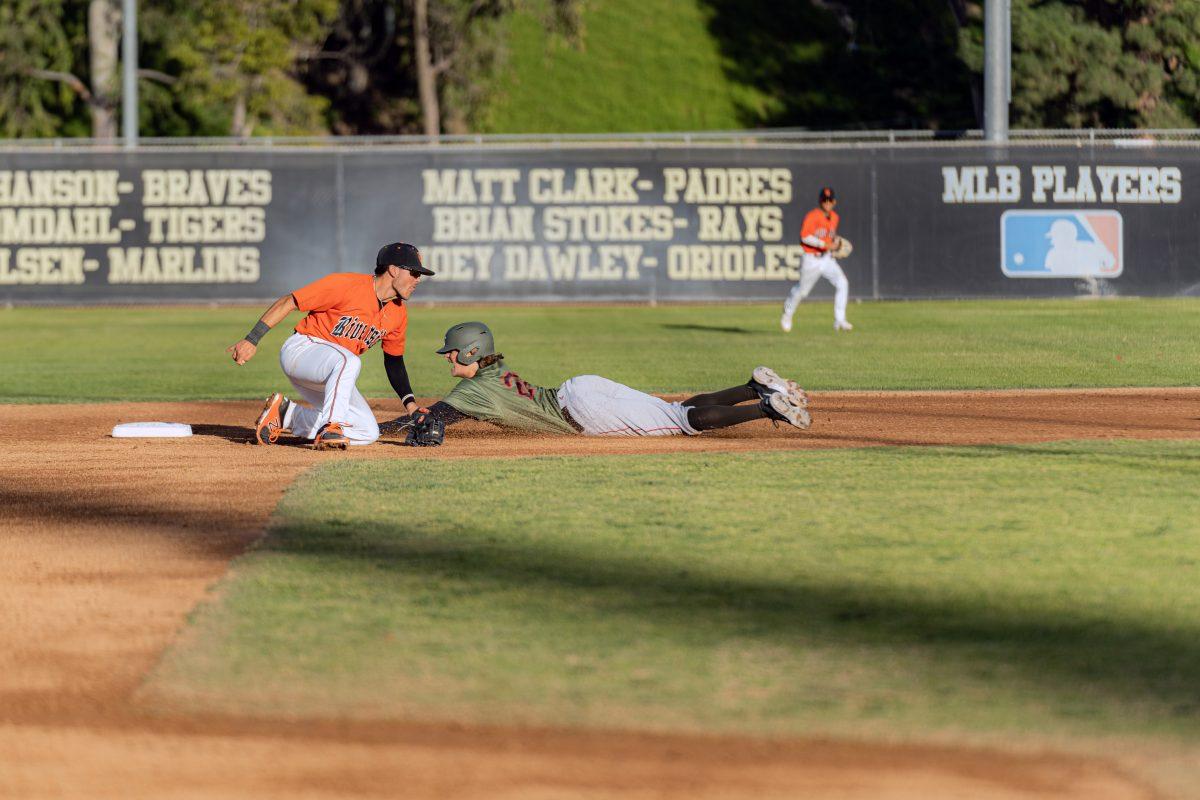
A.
pixel 1045 589
pixel 86 354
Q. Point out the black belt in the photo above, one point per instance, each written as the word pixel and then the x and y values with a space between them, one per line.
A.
pixel 571 420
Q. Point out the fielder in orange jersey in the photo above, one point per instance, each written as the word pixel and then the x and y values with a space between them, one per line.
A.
pixel 818 236
pixel 348 313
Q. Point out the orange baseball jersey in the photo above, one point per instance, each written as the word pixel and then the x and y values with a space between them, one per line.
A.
pixel 343 309
pixel 818 225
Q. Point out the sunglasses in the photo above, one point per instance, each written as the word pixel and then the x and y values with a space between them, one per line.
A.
pixel 415 273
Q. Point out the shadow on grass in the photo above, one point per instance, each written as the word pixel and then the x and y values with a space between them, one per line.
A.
pixel 705 328
pixel 1082 655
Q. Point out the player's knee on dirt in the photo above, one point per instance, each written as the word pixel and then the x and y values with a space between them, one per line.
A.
pixel 364 432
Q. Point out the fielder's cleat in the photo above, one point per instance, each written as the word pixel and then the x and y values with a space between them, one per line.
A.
pixel 270 421
pixel 779 408
pixel 785 322
pixel 765 379
pixel 331 437
pixel 843 326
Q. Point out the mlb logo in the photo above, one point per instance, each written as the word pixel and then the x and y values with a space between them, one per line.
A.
pixel 1061 244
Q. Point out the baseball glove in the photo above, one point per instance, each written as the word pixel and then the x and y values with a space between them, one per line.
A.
pixel 425 431
pixel 841 247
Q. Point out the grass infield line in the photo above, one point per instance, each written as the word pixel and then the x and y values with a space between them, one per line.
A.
pixel 1038 590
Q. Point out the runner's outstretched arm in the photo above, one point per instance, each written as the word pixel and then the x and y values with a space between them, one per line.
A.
pixel 442 411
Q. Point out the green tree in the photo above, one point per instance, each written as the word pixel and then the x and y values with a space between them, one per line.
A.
pixel 1099 63
pixel 407 66
pixel 240 61
pixel 43 44
pixel 59 70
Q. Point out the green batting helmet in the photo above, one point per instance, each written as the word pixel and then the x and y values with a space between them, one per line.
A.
pixel 472 340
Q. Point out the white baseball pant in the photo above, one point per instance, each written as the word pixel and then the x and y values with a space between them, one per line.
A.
pixel 324 374
pixel 607 408
pixel 814 266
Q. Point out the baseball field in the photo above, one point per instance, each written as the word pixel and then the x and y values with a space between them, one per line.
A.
pixel 974 576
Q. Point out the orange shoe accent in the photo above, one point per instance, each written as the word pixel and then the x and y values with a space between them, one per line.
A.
pixel 270 422
pixel 331 437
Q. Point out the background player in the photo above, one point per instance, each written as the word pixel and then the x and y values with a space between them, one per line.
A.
pixel 588 404
pixel 348 312
pixel 818 236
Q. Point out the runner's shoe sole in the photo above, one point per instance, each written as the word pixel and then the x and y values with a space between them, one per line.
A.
pixel 770 379
pixel 794 415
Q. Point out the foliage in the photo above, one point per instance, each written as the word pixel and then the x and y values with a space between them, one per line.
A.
pixel 859 63
pixel 367 66
pixel 240 55
pixel 907 72
pixel 365 70
pixel 464 40
pixel 468 43
pixel 853 64
pixel 41 35
pixel 1100 63
pixel 347 66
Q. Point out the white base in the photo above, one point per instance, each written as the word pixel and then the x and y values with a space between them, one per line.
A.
pixel 152 430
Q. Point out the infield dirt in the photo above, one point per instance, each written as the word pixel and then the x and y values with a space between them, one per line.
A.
pixel 108 544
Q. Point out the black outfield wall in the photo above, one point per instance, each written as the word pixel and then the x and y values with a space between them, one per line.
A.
pixel 637 223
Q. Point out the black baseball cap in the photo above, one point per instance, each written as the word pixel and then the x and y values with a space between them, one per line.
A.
pixel 402 255
pixel 826 194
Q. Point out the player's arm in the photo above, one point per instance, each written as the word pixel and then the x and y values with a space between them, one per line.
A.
pixel 808 233
pixel 441 411
pixel 445 413
pixel 245 349
pixel 427 427
pixel 398 376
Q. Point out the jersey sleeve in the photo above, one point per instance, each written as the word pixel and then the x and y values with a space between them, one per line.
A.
pixel 320 295
pixel 808 229
pixel 393 340
pixel 469 399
